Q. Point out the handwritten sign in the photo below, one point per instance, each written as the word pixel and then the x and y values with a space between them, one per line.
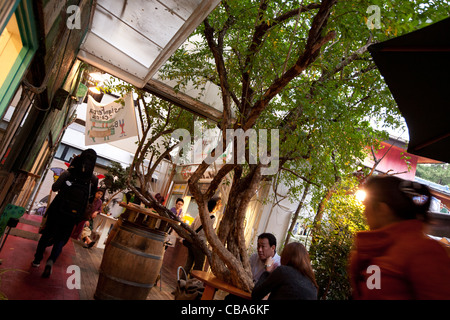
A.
pixel 110 122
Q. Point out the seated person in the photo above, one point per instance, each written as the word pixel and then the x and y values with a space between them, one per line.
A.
pixel 266 249
pixel 294 279
pixel 265 259
pixel 178 209
pixel 89 225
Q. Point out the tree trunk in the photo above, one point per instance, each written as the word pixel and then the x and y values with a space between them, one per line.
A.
pixel 230 233
pixel 296 214
pixel 320 210
pixel 228 255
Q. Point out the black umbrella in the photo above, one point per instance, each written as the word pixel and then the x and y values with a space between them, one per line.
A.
pixel 416 68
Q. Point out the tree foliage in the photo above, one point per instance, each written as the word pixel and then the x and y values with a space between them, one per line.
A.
pixel 115 177
pixel 438 173
pixel 303 68
pixel 333 239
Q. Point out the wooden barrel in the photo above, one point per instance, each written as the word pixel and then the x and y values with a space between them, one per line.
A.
pixel 131 263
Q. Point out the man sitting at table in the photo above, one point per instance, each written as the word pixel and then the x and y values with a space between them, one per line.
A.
pixel 265 256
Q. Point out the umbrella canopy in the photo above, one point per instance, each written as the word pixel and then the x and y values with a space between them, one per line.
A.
pixel 416 68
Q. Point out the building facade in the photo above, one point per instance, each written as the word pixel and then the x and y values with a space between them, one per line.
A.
pixel 39 89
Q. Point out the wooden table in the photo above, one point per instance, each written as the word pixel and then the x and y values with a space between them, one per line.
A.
pixel 135 214
pixel 212 283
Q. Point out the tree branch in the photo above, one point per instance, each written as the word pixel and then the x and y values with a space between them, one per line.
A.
pixel 347 60
pixel 258 35
pixel 221 70
pixel 312 49
pixel 300 177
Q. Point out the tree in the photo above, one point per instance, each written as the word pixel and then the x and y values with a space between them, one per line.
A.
pixel 333 241
pixel 158 120
pixel 438 173
pixel 115 181
pixel 300 67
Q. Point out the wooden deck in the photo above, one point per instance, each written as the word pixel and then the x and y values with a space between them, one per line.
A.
pixel 89 261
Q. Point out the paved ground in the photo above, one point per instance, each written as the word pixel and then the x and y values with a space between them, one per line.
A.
pixel 20 281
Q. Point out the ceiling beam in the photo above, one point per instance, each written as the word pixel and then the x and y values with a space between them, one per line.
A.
pixel 182 100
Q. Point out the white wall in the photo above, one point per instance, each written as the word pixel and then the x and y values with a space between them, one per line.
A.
pixel 275 219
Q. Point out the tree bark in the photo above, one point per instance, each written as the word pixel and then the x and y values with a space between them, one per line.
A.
pixel 297 212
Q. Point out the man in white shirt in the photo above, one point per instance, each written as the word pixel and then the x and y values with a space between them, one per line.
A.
pixel 266 257
pixel 196 257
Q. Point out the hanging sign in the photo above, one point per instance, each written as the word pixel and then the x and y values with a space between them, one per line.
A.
pixel 110 122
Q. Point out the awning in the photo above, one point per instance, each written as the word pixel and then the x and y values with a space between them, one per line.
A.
pixel 416 68
pixel 133 39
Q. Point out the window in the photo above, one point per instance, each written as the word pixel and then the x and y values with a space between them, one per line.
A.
pixel 10 47
pixel 66 154
pixel 192 209
pixel 18 43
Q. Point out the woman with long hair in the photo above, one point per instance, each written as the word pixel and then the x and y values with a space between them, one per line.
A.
pixel 293 280
pixel 396 260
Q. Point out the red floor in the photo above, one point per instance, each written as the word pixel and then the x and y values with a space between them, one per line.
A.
pixel 20 281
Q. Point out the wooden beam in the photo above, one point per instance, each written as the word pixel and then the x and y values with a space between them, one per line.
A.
pixel 182 100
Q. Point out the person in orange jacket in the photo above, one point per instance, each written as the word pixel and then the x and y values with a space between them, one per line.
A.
pixel 396 260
